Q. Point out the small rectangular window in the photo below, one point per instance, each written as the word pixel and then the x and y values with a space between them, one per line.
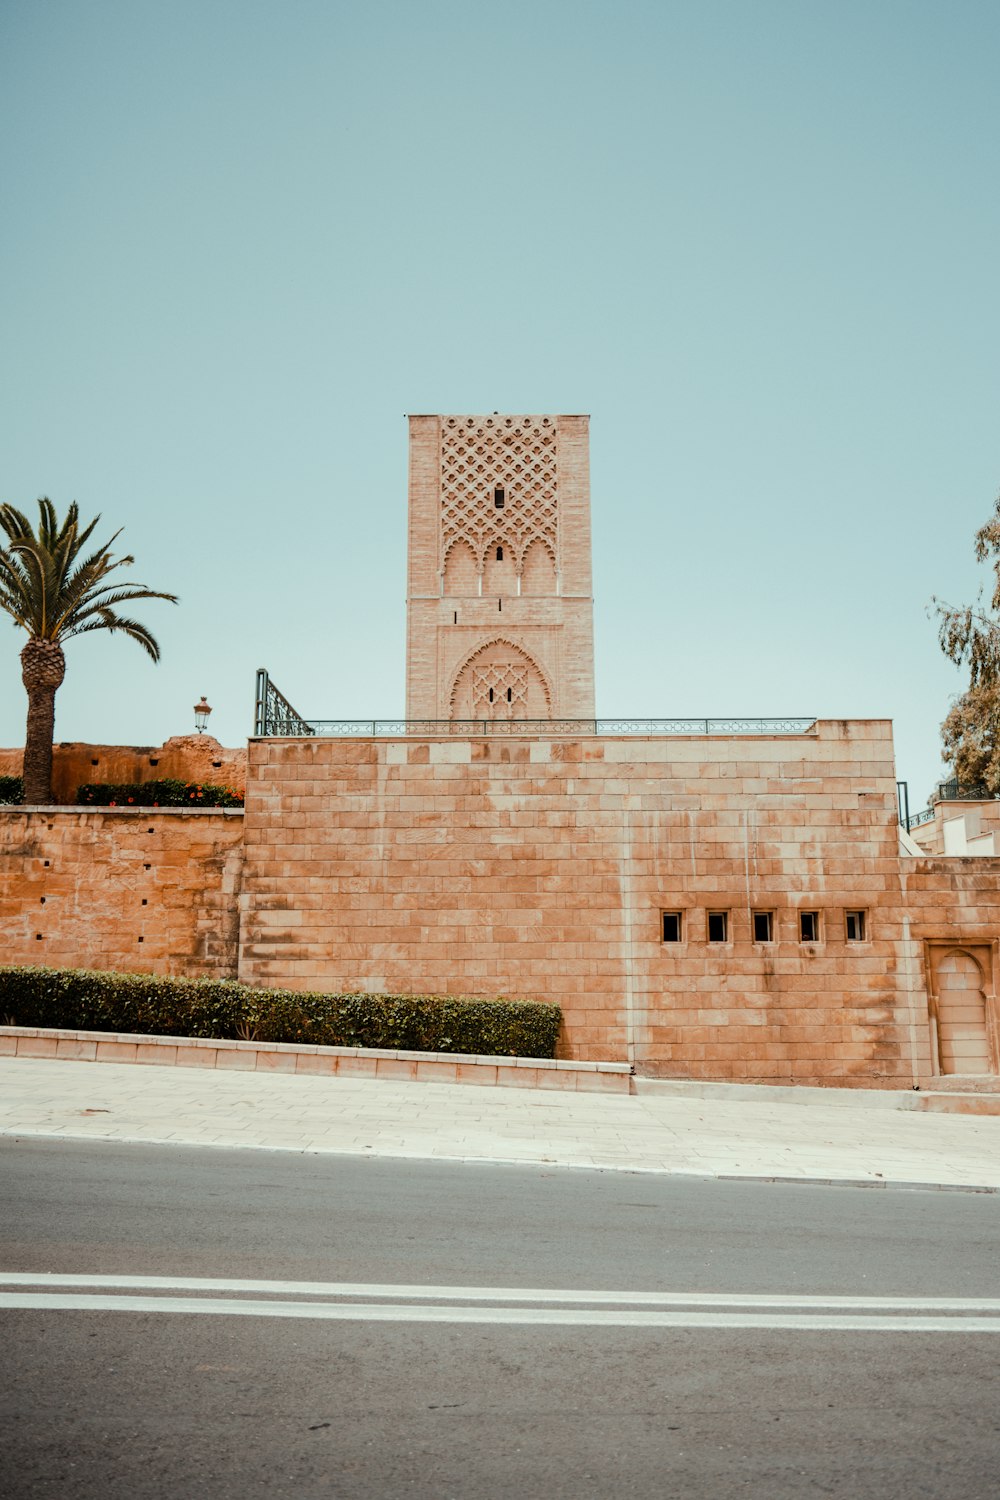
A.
pixel 672 927
pixel 499 497
pixel 808 926
pixel 718 927
pixel 855 921
pixel 763 926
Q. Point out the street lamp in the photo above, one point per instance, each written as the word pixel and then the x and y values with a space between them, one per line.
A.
pixel 201 713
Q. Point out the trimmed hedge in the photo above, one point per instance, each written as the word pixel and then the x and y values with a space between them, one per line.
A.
pixel 164 793
pixel 11 791
pixel 80 999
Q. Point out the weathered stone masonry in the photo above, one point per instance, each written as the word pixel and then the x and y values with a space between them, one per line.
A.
pixel 540 868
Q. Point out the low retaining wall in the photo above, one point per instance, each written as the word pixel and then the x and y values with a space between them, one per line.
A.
pixel 341 1062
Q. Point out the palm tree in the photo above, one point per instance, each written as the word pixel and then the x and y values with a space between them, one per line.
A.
pixel 53 593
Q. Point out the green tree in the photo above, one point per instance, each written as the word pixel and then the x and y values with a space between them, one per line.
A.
pixel 53 591
pixel 969 635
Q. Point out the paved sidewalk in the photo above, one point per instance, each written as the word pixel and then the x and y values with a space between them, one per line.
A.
pixel 717 1137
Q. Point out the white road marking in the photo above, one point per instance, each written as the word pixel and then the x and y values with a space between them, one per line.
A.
pixel 407 1293
pixel 348 1300
pixel 382 1312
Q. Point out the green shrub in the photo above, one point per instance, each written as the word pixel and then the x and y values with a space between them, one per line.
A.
pixel 165 793
pixel 79 999
pixel 11 790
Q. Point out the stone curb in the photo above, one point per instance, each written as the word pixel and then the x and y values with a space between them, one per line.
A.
pixel 892 1185
pixel 342 1062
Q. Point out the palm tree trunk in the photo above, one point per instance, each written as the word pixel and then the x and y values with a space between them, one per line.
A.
pixel 43 667
pixel 38 747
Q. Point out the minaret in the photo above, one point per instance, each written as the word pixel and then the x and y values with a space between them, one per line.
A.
pixel 499 593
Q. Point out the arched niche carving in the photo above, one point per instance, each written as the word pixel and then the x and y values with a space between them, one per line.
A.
pixel 500 680
pixel 538 570
pixel 461 575
pixel 962 1010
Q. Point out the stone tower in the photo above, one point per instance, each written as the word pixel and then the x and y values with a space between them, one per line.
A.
pixel 499 603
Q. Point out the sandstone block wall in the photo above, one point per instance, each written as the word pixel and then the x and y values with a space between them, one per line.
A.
pixel 541 868
pixel 147 892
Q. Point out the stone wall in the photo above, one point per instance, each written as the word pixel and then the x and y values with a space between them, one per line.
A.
pixel 147 892
pixel 185 757
pixel 541 868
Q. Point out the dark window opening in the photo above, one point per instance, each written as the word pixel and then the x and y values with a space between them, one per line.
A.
pixel 499 554
pixel 455 614
pixel 809 926
pixel 491 695
pixel 144 901
pixel 763 926
pixel 42 900
pixel 671 926
pixel 855 921
pixel 510 696
pixel 499 497
pixel 499 606
pixel 718 927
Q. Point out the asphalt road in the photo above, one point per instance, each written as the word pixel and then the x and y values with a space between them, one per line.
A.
pixel 408 1358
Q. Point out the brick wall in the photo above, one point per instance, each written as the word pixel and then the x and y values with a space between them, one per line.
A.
pixel 148 892
pixel 445 627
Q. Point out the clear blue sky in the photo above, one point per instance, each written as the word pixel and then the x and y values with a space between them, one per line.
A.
pixel 758 242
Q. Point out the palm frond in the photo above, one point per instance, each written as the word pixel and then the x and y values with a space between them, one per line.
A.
pixel 134 629
pixel 52 589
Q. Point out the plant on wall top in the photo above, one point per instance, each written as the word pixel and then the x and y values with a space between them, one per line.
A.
pixel 53 590
pixel 969 635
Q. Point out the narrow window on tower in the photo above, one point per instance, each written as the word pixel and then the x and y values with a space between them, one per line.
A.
pixel 499 554
pixel 499 497
pixel 509 696
pixel 491 695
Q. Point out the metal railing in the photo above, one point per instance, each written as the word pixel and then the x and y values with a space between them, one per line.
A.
pixel 927 816
pixel 954 791
pixel 273 722
pixel 273 715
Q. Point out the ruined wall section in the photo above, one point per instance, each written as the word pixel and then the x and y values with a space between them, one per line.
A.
pixel 185 757
pixel 145 892
pixel 541 868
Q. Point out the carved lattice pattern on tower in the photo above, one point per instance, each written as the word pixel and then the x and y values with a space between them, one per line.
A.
pixel 500 690
pixel 518 454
